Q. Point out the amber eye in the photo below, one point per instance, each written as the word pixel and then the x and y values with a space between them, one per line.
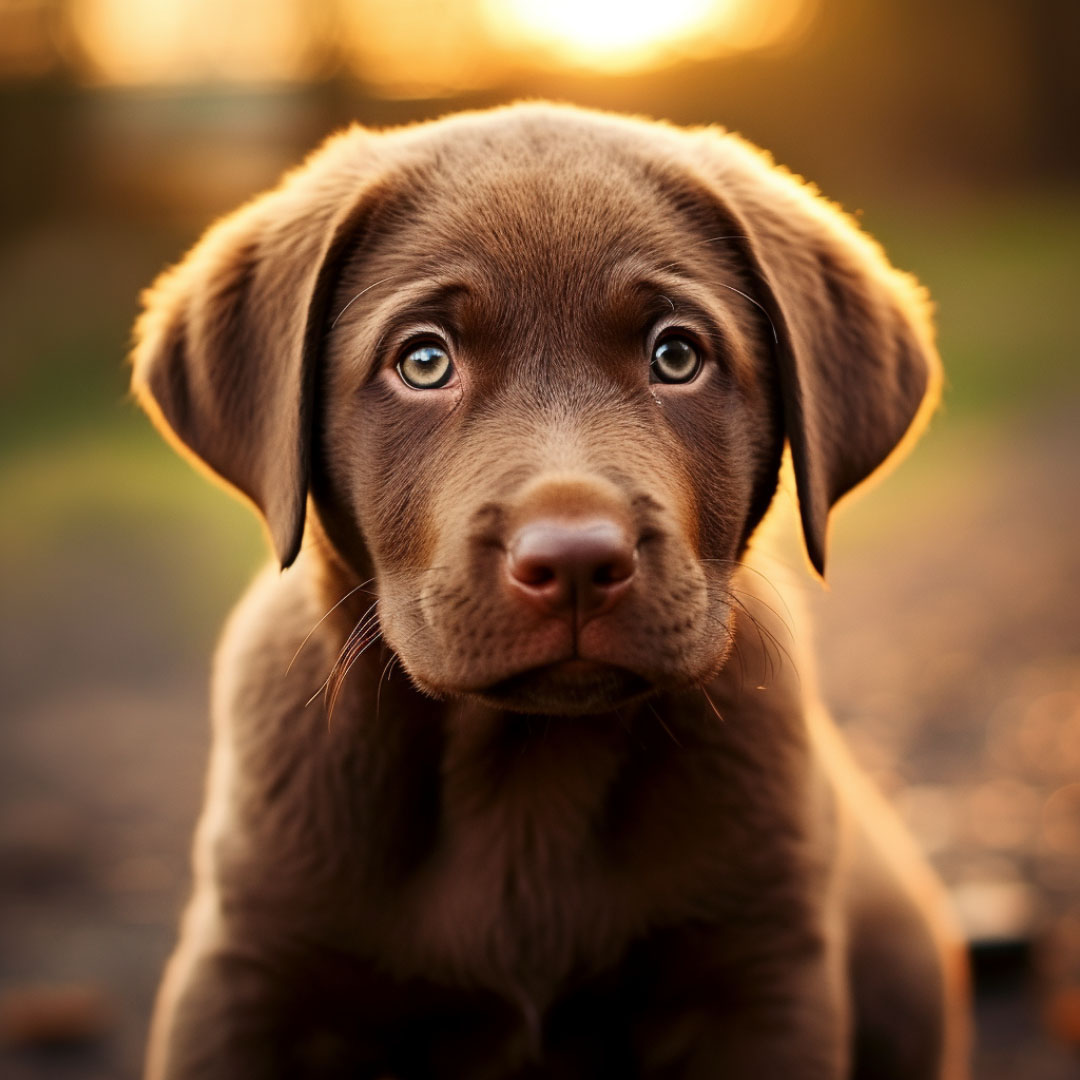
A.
pixel 674 360
pixel 427 367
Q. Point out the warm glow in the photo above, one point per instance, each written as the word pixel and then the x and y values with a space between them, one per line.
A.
pixel 417 48
pixel 410 48
pixel 163 41
pixel 632 35
pixel 615 33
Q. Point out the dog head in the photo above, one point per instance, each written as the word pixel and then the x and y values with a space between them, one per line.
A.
pixel 535 369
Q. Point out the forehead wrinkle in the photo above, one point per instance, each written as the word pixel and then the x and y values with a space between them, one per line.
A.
pixel 530 233
pixel 552 218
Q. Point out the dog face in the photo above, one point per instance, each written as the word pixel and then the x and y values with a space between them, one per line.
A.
pixel 536 368
pixel 549 415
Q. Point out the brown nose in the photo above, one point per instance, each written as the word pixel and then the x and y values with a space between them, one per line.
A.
pixel 571 568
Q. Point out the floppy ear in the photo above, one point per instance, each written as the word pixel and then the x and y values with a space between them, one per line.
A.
pixel 853 336
pixel 226 349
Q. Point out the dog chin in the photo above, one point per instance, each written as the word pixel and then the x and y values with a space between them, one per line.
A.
pixel 567 688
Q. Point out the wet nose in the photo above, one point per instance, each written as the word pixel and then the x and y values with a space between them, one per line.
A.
pixel 571 568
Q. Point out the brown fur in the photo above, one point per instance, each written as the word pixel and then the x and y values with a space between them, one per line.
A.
pixel 524 845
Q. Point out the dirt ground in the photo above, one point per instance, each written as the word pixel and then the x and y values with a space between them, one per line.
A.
pixel 950 651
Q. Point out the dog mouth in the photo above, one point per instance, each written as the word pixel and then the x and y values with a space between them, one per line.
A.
pixel 574 687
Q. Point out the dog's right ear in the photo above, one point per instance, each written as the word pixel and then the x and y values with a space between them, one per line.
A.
pixel 853 337
pixel 227 347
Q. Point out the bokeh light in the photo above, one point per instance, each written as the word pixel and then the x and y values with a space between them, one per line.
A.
pixel 619 36
pixel 171 41
pixel 413 48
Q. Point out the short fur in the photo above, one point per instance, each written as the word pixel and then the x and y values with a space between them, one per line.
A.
pixel 528 844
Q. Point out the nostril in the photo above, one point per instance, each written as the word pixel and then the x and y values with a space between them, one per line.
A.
pixel 531 572
pixel 614 572
pixel 563 566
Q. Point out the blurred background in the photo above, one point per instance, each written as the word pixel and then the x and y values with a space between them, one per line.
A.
pixel 950 636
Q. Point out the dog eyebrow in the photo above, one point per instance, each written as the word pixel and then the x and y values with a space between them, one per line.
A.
pixel 420 298
pixel 418 306
pixel 356 296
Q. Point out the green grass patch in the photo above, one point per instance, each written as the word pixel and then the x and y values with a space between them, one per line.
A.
pixel 1004 278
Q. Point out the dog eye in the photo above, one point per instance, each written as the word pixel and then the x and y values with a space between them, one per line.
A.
pixel 426 367
pixel 674 360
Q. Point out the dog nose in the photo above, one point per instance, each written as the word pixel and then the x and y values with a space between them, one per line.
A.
pixel 571 567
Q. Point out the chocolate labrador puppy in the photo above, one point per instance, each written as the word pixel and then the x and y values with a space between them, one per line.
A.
pixel 516 770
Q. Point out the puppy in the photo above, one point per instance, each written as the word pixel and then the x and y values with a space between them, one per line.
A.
pixel 511 393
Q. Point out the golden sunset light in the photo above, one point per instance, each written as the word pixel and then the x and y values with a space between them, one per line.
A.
pixel 607 34
pixel 619 36
pixel 133 42
pixel 416 48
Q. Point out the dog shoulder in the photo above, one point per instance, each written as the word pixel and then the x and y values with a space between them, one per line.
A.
pixel 264 669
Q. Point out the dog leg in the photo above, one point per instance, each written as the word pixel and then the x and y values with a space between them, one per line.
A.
pixel 215 1017
pixel 906 1021
pixel 790 1022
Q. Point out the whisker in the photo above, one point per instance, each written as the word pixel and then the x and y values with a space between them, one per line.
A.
pixel 712 705
pixel 629 730
pixel 359 641
pixel 382 281
pixel 307 636
pixel 669 732
pixel 788 618
pixel 713 239
pixel 339 680
pixel 765 634
pixel 362 627
pixel 734 639
pixel 378 689
pixel 764 639
pixel 747 296
pixel 777 592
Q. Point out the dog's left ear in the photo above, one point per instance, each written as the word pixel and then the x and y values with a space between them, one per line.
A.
pixel 226 348
pixel 853 336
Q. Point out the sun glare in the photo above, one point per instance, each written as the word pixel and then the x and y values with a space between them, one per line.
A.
pixel 616 33
pixel 412 48
pixel 618 36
